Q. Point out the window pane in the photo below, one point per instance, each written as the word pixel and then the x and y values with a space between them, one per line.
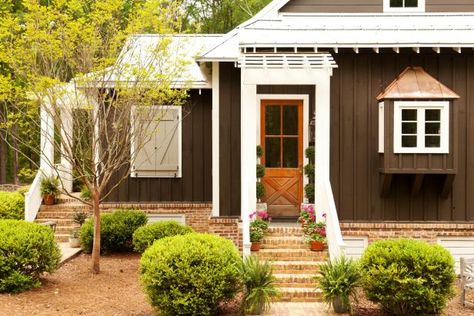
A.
pixel 409 115
pixel 408 128
pixel 272 152
pixel 432 141
pixel 290 153
pixel 433 115
pixel 290 120
pixel 408 141
pixel 272 120
pixel 396 3
pixel 432 128
pixel 411 3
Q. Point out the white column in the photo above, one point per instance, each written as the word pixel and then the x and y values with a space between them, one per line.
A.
pixel 249 126
pixel 66 150
pixel 322 139
pixel 47 141
pixel 215 139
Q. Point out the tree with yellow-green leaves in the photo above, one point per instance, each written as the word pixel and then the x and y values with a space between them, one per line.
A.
pixel 74 59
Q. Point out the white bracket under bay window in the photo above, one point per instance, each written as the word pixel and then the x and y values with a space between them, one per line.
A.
pixel 404 6
pixel 421 127
pixel 159 155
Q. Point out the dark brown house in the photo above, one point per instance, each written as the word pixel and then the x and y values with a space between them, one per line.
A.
pixel 383 89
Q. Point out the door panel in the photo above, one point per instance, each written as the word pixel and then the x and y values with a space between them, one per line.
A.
pixel 282 142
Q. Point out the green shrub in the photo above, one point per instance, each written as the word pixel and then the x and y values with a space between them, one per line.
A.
pixel 260 190
pixel 190 274
pixel 259 151
pixel 26 175
pixel 116 230
pixel 309 192
pixel 12 205
pixel 408 277
pixel 26 251
pixel 260 171
pixel 86 193
pixel 145 236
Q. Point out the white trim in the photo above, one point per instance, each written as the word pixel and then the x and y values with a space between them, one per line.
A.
pixel 134 174
pixel 215 140
pixel 420 106
pixel 305 99
pixel 418 9
pixel 381 127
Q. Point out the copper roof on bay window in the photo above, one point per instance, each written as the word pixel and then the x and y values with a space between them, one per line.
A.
pixel 416 83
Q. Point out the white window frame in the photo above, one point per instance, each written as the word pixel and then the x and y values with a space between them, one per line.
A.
pixel 135 174
pixel 420 148
pixel 381 127
pixel 419 8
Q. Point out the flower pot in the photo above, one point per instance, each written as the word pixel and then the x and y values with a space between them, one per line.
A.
pixel 261 207
pixel 339 306
pixel 49 199
pixel 257 310
pixel 74 242
pixel 255 246
pixel 316 245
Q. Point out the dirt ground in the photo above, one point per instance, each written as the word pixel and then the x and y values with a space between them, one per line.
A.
pixel 74 290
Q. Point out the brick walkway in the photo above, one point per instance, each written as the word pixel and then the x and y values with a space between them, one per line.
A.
pixel 300 309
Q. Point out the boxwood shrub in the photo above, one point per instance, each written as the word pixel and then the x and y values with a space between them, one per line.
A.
pixel 408 277
pixel 144 236
pixel 12 205
pixel 116 230
pixel 26 251
pixel 190 274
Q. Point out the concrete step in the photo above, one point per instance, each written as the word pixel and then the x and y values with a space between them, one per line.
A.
pixel 302 280
pixel 296 294
pixel 295 267
pixel 291 255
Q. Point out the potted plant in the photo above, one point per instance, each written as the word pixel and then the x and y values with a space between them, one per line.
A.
pixel 338 279
pixel 259 285
pixel 49 190
pixel 307 215
pixel 78 218
pixel 309 172
pixel 315 234
pixel 256 236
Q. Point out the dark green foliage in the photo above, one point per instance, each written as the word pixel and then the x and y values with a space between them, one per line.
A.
pixel 259 285
pixel 309 153
pixel 116 230
pixel 26 251
pixel 79 218
pixel 12 205
pixel 309 192
pixel 260 171
pixel 190 274
pixel 338 278
pixel 50 185
pixel 309 171
pixel 259 151
pixel 145 236
pixel 408 277
pixel 260 190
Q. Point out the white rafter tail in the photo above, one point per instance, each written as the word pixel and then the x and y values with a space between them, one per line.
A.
pixel 457 49
pixel 336 50
pixel 416 50
pixel 396 50
pixel 437 50
pixel 376 49
pixel 356 50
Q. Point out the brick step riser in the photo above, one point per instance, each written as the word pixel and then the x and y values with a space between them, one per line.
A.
pixel 275 254
pixel 295 269
pixel 300 297
pixel 59 221
pixel 281 235
pixel 305 285
pixel 284 246
pixel 53 216
pixel 289 258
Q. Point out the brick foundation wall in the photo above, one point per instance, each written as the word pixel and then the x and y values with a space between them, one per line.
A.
pixel 425 231
pixel 227 227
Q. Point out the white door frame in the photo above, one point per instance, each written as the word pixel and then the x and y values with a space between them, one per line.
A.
pixel 250 126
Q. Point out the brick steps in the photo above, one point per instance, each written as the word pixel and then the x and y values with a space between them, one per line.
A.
pixel 294 265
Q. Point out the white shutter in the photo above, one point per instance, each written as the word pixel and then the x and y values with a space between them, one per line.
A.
pixel 161 156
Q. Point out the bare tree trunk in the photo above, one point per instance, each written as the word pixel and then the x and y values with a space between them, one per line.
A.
pixel 3 159
pixel 96 244
pixel 15 154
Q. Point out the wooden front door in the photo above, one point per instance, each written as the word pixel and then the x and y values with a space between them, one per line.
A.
pixel 282 143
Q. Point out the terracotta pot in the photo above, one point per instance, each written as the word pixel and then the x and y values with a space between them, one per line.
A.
pixel 255 246
pixel 48 199
pixel 316 245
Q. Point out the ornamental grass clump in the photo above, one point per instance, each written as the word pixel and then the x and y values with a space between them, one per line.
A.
pixel 190 274
pixel 408 277
pixel 145 236
pixel 26 251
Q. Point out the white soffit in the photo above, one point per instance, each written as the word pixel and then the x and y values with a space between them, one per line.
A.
pixel 287 61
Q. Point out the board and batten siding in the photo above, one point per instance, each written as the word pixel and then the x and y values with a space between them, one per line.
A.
pixel 195 185
pixel 355 166
pixel 369 6
pixel 229 140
